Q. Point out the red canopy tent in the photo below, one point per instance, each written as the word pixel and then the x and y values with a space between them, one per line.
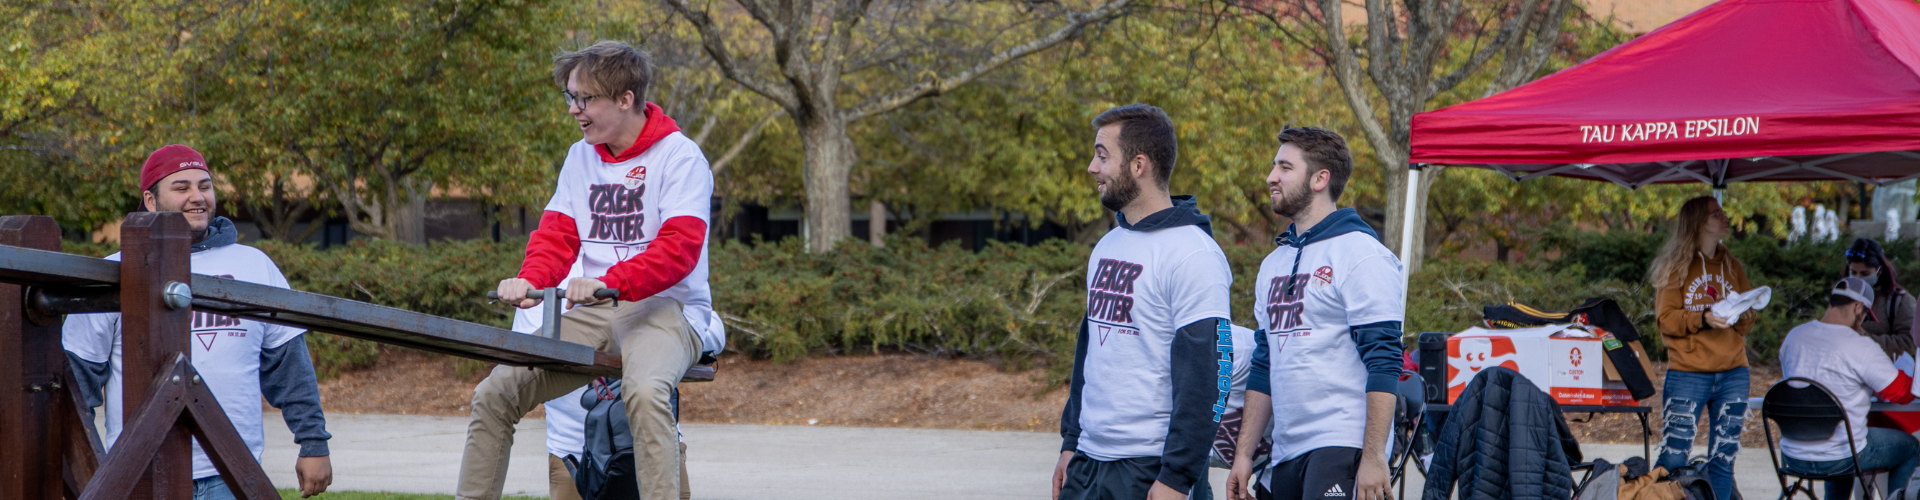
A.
pixel 1742 90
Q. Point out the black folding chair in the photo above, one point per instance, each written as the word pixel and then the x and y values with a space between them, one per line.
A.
pixel 1410 412
pixel 1807 413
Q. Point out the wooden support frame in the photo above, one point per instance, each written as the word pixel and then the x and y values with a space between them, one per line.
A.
pixel 48 451
pixel 84 448
pixel 32 365
pixel 154 251
pixel 179 401
pixel 51 453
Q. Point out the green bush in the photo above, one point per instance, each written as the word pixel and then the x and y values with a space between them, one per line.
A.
pixel 446 278
pixel 1011 303
pixel 1015 302
pixel 1621 256
pixel 1799 274
pixel 1448 295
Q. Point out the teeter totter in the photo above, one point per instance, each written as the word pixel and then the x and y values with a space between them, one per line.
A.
pixel 47 452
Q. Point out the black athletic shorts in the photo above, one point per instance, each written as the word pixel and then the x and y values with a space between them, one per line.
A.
pixel 1321 474
pixel 1128 479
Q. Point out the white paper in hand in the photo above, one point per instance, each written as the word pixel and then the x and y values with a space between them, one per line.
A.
pixel 1739 303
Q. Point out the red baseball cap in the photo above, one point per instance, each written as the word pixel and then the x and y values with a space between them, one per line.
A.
pixel 168 160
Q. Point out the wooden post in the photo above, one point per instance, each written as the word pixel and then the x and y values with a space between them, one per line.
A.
pixel 37 413
pixel 154 251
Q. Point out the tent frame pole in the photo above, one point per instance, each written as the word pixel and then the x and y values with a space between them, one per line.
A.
pixel 1719 179
pixel 1406 229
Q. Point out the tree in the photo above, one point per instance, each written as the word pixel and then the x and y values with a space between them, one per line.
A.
pixel 688 86
pixel 825 53
pixel 377 105
pixel 1017 142
pixel 88 89
pixel 1405 59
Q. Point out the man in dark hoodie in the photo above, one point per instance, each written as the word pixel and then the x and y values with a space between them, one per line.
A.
pixel 1329 302
pixel 1148 373
pixel 241 360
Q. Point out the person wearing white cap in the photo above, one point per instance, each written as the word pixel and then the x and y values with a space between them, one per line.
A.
pixel 1834 351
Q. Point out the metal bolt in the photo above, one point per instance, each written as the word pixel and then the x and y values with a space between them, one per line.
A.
pixel 177 295
pixel 196 379
pixel 56 385
pixel 176 380
pixel 34 387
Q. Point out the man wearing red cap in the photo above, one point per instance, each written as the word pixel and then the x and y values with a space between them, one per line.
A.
pixel 241 360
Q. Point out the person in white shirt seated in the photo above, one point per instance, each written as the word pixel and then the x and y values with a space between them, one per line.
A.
pixel 1833 351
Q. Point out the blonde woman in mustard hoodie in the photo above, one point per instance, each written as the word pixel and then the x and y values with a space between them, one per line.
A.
pixel 1706 354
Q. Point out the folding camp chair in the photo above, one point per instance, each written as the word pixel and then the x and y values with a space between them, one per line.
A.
pixel 1807 413
pixel 1410 412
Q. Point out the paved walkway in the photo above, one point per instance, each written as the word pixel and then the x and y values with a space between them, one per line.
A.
pixel 744 462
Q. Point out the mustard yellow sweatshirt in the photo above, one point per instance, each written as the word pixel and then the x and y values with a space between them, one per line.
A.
pixel 1682 305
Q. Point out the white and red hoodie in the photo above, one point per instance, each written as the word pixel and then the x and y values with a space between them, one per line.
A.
pixel 637 220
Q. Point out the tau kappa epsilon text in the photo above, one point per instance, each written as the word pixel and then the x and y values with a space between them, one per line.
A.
pixel 1685 129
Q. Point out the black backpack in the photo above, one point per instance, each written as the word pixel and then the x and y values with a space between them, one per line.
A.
pixel 1693 483
pixel 605 471
pixel 1600 312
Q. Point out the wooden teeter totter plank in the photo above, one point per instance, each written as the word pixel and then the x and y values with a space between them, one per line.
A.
pixel 365 321
pixel 73 274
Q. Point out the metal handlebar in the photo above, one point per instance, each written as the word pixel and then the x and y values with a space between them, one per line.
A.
pixel 550 306
pixel 539 294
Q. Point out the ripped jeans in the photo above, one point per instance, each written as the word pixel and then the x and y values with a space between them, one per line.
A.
pixel 1723 397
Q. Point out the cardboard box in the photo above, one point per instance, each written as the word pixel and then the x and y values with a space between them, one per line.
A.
pixel 1567 363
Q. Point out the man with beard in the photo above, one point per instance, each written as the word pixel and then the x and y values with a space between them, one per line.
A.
pixel 1330 303
pixel 1148 372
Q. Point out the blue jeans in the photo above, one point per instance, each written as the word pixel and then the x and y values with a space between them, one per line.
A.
pixel 1887 449
pixel 1723 397
pixel 211 488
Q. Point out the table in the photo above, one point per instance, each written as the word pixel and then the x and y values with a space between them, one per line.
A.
pixel 1646 431
pixel 1754 405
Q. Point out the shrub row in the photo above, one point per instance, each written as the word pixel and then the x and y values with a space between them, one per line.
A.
pixel 1013 303
pixel 1800 274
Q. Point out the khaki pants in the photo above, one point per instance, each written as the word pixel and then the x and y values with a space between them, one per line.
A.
pixel 656 347
pixel 560 485
pixel 560 482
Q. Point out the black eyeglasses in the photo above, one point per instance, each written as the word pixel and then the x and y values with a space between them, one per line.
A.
pixel 579 100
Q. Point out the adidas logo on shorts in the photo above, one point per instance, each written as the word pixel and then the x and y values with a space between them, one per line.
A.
pixel 1335 492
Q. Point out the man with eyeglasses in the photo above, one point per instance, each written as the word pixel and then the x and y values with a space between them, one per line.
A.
pixel 631 209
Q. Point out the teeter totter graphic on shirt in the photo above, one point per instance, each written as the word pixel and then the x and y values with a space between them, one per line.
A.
pixel 47 452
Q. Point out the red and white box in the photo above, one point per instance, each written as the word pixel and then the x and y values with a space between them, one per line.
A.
pixel 1568 363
